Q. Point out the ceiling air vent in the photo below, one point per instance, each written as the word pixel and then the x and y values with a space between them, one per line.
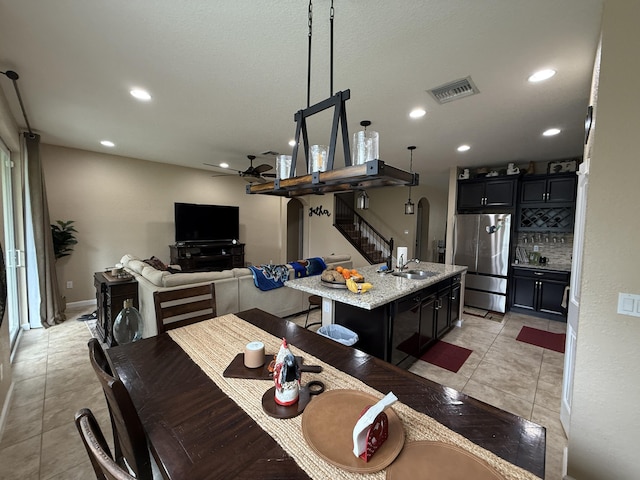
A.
pixel 454 90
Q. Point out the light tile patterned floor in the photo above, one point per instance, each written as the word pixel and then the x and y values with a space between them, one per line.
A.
pixel 53 380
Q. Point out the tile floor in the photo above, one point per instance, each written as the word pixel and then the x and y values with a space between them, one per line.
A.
pixel 53 379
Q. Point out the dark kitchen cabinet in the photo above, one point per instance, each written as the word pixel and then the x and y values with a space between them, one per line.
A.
pixel 548 188
pixel 547 203
pixel 482 193
pixel 421 319
pixel 539 292
pixel 409 332
pixel 401 331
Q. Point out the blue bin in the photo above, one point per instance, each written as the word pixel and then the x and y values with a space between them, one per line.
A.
pixel 339 333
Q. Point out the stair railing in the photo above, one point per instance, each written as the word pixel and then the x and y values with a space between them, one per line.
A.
pixel 371 244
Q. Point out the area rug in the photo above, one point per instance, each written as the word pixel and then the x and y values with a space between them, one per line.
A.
pixel 487 314
pixel 446 355
pixel 541 338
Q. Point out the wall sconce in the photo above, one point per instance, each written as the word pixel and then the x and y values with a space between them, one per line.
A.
pixel 362 202
pixel 409 207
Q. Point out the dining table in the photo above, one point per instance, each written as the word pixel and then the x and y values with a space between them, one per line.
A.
pixel 201 425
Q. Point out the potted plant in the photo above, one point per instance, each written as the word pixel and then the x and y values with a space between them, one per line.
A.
pixel 64 238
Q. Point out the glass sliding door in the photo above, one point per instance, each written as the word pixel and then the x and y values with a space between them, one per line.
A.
pixel 12 255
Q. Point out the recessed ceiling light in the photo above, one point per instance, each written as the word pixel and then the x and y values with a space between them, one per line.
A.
pixel 107 143
pixel 292 143
pixel 541 75
pixel 464 148
pixel 140 94
pixel 417 113
pixel 224 165
pixel 551 132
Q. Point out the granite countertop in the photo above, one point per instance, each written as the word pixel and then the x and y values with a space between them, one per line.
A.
pixel 560 267
pixel 386 287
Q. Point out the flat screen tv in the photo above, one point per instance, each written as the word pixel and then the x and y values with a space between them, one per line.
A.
pixel 206 223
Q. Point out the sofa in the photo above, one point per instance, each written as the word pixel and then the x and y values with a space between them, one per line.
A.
pixel 235 289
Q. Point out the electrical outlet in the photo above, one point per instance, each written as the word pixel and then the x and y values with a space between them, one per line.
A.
pixel 70 284
pixel 536 248
pixel 1 372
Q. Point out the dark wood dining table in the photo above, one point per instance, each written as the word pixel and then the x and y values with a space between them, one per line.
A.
pixel 195 431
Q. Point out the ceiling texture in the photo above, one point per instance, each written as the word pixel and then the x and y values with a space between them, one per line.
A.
pixel 226 77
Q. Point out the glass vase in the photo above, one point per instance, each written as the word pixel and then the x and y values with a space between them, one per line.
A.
pixel 128 325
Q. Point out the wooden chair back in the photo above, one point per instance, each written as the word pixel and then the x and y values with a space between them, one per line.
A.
pixel 130 441
pixel 99 454
pixel 176 308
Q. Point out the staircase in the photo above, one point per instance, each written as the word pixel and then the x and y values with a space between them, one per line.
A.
pixel 366 239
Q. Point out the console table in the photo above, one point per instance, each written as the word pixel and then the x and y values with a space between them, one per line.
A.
pixel 110 295
pixel 194 257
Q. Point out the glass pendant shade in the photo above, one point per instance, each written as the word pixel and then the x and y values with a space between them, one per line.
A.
pixel 128 325
pixel 409 207
pixel 362 203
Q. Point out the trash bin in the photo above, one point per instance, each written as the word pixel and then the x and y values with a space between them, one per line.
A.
pixel 339 334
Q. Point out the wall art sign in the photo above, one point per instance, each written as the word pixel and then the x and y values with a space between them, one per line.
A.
pixel 319 211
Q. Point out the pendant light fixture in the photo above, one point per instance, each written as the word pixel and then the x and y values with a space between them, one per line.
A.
pixel 409 207
pixel 352 177
pixel 362 202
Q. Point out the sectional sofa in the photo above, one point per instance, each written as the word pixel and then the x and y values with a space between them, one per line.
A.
pixel 235 289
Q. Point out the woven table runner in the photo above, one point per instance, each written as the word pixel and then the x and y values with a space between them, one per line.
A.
pixel 214 343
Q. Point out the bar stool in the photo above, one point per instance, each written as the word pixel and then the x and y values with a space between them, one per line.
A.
pixel 314 301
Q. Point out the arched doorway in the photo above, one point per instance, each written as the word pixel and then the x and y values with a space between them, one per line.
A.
pixel 422 230
pixel 295 229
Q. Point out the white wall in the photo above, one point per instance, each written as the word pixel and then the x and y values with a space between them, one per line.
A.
pixel 605 416
pixel 123 205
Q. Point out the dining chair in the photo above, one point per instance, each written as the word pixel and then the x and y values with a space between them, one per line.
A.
pixel 129 439
pixel 101 459
pixel 176 308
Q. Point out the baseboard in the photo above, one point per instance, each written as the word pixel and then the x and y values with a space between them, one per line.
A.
pixel 83 303
pixel 4 416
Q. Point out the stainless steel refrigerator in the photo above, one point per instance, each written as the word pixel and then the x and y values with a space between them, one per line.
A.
pixel 481 242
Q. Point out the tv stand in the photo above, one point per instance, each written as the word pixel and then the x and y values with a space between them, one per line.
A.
pixel 207 257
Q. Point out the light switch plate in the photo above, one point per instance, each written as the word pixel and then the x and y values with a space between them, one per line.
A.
pixel 629 304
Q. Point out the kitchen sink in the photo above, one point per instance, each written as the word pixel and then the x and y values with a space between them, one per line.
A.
pixel 415 274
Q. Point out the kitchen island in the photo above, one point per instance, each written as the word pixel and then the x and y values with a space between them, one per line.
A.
pixel 399 318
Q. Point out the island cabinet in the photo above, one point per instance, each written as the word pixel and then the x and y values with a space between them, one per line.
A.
pixel 539 292
pixel 478 194
pixel 403 330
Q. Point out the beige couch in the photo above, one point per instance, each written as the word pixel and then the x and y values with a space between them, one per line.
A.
pixel 235 289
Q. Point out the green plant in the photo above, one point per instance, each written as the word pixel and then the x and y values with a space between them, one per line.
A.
pixel 63 238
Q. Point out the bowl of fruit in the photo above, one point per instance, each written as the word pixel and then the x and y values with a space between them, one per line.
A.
pixel 337 277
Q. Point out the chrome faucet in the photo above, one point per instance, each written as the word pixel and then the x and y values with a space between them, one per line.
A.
pixel 403 266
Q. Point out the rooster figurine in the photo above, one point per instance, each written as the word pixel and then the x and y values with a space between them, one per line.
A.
pixel 286 376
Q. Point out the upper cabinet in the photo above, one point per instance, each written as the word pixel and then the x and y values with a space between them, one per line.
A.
pixel 481 193
pixel 548 188
pixel 547 202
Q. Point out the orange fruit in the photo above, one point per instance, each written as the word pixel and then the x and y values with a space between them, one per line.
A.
pixel 339 269
pixel 346 274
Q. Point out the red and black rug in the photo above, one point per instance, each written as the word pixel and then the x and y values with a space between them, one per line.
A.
pixel 542 338
pixel 447 356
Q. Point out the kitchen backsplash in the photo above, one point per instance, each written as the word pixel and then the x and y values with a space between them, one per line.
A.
pixel 557 247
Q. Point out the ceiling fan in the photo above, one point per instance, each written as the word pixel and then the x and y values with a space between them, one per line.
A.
pixel 251 174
